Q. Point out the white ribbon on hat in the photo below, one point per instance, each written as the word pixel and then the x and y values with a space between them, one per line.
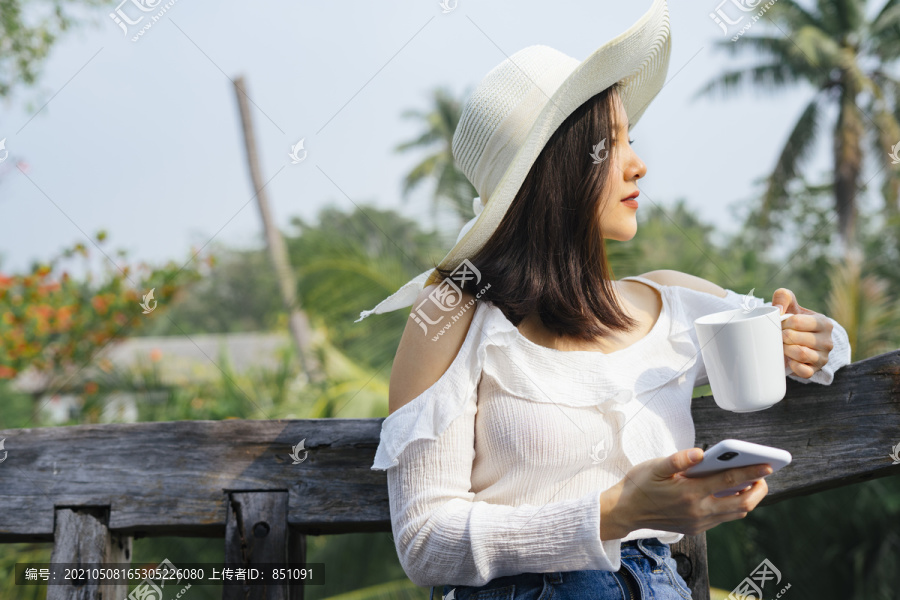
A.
pixel 408 293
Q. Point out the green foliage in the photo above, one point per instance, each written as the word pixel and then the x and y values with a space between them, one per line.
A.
pixel 452 188
pixel 239 293
pixel 845 56
pixel 28 30
pixel 57 327
pixel 349 263
pixel 848 528
pixel 10 554
pixel 672 237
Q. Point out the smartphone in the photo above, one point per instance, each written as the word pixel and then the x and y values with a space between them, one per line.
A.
pixel 729 454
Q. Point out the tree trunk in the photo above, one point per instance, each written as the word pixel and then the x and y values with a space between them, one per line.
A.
pixel 848 136
pixel 297 320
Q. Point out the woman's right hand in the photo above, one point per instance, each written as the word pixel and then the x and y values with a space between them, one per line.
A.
pixel 655 494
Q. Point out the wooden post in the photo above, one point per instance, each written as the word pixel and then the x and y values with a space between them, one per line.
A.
pixel 296 556
pixel 690 554
pixel 256 532
pixel 81 536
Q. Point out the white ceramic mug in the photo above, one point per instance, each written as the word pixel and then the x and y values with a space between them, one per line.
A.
pixel 744 357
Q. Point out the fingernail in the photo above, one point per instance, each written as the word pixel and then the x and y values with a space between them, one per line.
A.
pixel 695 455
pixel 763 471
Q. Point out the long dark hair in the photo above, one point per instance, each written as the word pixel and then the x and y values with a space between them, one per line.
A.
pixel 548 254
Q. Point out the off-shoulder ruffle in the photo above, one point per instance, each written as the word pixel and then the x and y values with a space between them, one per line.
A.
pixel 593 378
pixel 609 382
pixel 429 414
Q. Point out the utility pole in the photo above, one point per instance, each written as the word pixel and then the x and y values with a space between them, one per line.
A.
pixel 297 320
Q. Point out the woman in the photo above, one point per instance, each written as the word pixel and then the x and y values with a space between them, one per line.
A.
pixel 539 409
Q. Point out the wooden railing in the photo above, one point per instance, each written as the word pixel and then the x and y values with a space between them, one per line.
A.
pixel 91 488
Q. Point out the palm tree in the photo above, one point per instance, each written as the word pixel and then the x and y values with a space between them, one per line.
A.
pixel 451 187
pixel 843 56
pixel 865 309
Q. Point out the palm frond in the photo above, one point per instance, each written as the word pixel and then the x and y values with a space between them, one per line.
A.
pixel 793 15
pixel 885 135
pixel 888 8
pixel 769 77
pixel 796 151
pixel 864 308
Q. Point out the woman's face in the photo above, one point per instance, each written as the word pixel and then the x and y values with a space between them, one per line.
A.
pixel 618 221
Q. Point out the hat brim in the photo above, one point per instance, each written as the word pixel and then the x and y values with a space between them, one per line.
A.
pixel 638 59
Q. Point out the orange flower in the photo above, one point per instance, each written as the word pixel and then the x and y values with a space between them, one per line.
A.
pixel 99 304
pixel 50 287
pixel 91 387
pixel 7 372
pixel 155 354
pixel 64 317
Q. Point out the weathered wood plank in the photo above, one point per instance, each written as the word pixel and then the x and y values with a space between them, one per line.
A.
pixel 172 478
pixel 838 435
pixel 256 532
pixel 82 538
pixel 690 554
pixel 296 556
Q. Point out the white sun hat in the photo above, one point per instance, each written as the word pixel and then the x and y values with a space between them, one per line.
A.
pixel 516 108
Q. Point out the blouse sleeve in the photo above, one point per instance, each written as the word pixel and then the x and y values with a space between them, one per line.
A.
pixel 442 534
pixel 837 358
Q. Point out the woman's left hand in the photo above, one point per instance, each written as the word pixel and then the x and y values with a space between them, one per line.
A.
pixel 806 335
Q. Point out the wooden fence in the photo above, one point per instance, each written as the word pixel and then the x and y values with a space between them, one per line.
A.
pixel 91 488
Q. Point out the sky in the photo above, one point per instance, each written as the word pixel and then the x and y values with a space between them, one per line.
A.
pixel 143 138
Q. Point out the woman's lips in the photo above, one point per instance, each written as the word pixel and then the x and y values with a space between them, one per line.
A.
pixel 631 200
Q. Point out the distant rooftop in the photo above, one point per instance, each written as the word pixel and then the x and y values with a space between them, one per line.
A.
pixel 183 358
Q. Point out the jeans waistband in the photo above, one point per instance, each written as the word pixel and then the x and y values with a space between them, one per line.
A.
pixel 652 548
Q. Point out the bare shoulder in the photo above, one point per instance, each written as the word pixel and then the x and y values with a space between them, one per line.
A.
pixel 421 360
pixel 671 277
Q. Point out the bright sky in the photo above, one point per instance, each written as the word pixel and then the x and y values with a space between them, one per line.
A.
pixel 143 138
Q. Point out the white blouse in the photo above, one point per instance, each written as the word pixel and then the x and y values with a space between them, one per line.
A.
pixel 497 468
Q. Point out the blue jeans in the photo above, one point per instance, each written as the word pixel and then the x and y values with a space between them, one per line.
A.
pixel 648 571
